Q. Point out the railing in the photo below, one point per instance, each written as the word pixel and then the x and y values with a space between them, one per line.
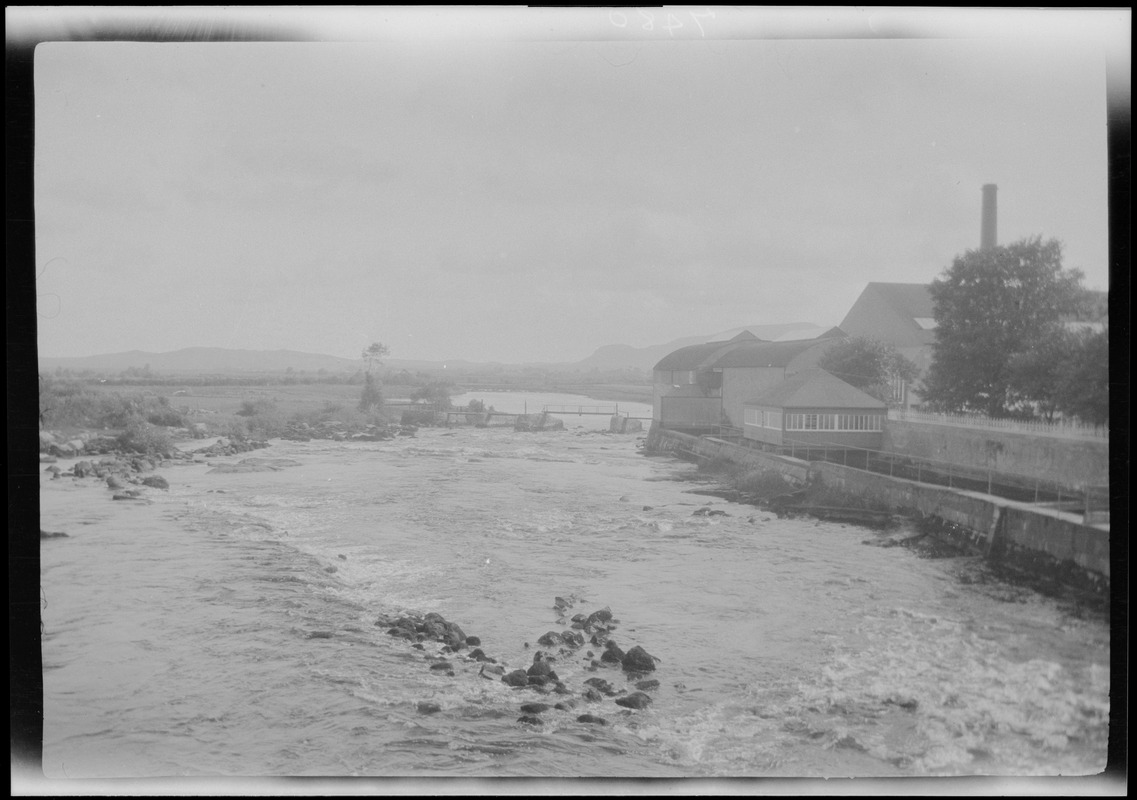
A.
pixel 1064 429
pixel 729 432
pixel 1091 501
pixel 582 410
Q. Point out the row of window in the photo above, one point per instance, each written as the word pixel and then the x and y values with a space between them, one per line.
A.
pixel 763 419
pixel 814 422
pixel 834 422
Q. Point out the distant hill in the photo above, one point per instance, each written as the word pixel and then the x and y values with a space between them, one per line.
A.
pixel 219 360
pixel 619 356
pixel 206 359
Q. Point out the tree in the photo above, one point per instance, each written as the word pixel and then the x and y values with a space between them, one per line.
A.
pixel 1035 375
pixel 988 306
pixel 374 355
pixel 868 364
pixel 372 394
pixel 1083 390
pixel 437 393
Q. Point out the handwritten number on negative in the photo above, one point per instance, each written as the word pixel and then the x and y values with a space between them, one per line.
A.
pixel 620 20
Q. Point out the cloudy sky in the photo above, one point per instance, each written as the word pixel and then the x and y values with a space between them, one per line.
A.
pixel 525 196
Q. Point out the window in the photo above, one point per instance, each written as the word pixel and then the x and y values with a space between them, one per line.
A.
pixel 832 422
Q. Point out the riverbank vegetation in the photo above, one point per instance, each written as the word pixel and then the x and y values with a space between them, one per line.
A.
pixel 237 410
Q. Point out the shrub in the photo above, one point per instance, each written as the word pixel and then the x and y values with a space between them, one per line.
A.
pixel 142 437
pixel 251 408
pixel 68 403
pixel 231 428
pixel 372 395
pixel 163 414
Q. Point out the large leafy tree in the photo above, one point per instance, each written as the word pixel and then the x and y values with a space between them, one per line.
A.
pixel 1036 375
pixel 1083 390
pixel 869 364
pixel 989 305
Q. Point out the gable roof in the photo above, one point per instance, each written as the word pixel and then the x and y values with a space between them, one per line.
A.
pixel 816 388
pixel 901 314
pixel 910 299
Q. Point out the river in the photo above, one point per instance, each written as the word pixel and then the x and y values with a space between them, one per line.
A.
pixel 227 626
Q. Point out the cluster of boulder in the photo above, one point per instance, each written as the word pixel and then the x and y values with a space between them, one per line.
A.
pixel 540 676
pixel 53 446
pixel 91 444
pixel 121 474
pixel 228 447
pixel 121 468
pixel 342 432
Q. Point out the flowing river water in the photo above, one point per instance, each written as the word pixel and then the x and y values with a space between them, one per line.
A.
pixel 227 627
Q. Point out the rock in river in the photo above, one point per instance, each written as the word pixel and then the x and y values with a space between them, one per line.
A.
pixel 637 700
pixel 592 719
pixel 638 660
pixel 516 678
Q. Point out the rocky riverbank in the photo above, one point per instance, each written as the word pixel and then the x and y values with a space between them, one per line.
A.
pixel 115 462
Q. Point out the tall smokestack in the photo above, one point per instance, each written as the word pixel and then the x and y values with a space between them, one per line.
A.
pixel 987 237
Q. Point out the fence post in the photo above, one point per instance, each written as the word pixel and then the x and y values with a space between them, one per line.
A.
pixel 949 475
pixel 988 480
pixel 1036 490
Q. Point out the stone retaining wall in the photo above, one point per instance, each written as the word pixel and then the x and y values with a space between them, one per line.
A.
pixel 1067 461
pixel 1035 539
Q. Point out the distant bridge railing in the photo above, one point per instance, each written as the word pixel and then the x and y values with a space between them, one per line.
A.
pixel 1064 429
pixel 580 411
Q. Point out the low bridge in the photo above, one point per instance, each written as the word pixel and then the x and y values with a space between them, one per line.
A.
pixel 580 411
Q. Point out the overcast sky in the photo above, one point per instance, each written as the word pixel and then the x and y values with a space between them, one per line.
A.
pixel 508 199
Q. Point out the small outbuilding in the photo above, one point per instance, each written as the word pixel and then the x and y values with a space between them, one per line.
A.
pixel 816 409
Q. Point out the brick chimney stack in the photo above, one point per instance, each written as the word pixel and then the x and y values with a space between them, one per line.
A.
pixel 987 234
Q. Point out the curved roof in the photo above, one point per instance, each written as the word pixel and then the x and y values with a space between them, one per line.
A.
pixel 695 356
pixel 816 388
pixel 740 352
pixel 767 354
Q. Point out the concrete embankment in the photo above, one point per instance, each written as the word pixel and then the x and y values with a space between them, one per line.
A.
pixel 1030 537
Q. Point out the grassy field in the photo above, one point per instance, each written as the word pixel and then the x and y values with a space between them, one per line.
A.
pixel 234 410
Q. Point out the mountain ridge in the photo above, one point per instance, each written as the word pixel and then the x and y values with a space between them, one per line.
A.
pixel 223 360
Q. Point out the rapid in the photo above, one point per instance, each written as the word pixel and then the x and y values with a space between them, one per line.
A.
pixel 226 627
